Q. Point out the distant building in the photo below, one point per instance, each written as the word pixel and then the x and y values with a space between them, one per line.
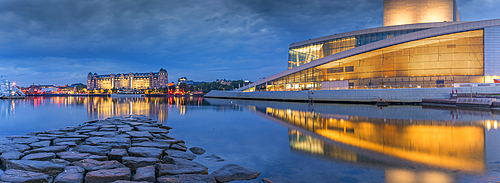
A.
pixel 224 81
pixel 188 82
pixel 128 81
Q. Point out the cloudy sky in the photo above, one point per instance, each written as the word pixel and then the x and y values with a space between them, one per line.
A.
pixel 61 41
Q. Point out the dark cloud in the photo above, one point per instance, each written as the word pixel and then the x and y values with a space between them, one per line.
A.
pixel 59 41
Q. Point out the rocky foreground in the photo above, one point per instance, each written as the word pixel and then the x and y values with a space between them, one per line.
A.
pixel 120 150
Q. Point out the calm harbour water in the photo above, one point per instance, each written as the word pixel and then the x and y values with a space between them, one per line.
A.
pixel 299 142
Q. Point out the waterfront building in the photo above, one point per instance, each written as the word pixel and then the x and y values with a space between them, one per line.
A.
pixel 151 80
pixel 188 82
pixel 422 44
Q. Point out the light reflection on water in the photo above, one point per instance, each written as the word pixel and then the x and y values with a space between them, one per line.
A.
pixel 324 142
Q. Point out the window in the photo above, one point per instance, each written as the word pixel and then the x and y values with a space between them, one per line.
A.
pixel 335 70
pixel 349 69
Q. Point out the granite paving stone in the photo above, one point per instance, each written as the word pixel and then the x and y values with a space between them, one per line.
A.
pixel 146 173
pixel 108 175
pixel 72 156
pixel 40 144
pixel 161 145
pixel 232 172
pixel 11 155
pixel 137 162
pixel 13 175
pixel 46 167
pixel 117 154
pixel 181 166
pixel 71 174
pixel 92 165
pixel 186 178
pixel 40 156
pixel 140 134
pixel 53 149
pixel 97 150
pixel 197 150
pixel 180 154
pixel 145 152
pixel 115 142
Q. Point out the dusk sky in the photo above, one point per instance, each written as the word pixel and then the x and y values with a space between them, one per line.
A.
pixel 61 41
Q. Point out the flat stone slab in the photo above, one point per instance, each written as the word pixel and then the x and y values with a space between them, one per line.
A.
pixel 92 165
pixel 13 175
pixel 170 141
pixel 197 150
pixel 71 174
pixel 232 172
pixel 97 150
pixel 137 162
pixel 214 157
pixel 21 147
pixel 115 142
pixel 68 129
pixel 12 155
pixel 145 174
pixel 138 140
pixel 128 181
pixel 180 147
pixel 151 129
pixel 108 126
pixel 146 152
pixel 40 144
pixel 25 140
pixel 190 178
pixel 72 156
pixel 40 156
pixel 6 148
pixel 140 134
pixel 181 166
pixel 102 134
pixel 98 158
pixel 75 135
pixel 180 154
pixel 117 154
pixel 90 128
pixel 60 161
pixel 76 140
pixel 45 167
pixel 45 138
pixel 127 129
pixel 161 145
pixel 108 175
pixel 107 129
pixel 53 149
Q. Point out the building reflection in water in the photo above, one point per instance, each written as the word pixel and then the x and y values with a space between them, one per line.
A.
pixel 101 108
pixel 105 107
pixel 444 144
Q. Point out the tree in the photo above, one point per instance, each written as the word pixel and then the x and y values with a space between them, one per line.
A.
pixel 184 87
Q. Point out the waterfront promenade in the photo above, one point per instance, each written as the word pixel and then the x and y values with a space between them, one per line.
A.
pixel 409 95
pixel 118 149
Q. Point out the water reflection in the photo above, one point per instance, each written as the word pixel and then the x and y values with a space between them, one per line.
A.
pixel 437 143
pixel 104 107
pixel 412 143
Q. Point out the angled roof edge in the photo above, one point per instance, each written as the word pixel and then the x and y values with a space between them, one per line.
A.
pixel 385 43
pixel 376 30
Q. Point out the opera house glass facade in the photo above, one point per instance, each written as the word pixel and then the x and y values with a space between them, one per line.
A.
pixel 414 50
